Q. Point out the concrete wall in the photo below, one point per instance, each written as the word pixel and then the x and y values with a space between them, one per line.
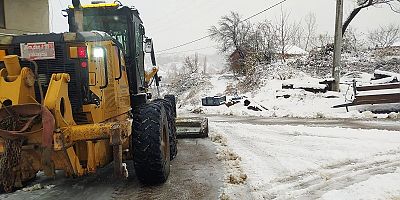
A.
pixel 26 16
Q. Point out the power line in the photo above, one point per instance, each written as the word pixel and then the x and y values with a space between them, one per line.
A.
pixel 269 8
pixel 187 43
pixel 207 36
pixel 213 46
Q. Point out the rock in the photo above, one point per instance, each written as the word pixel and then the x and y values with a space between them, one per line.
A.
pixel 224 196
pixel 255 108
pixel 33 188
pixel 237 178
pixel 231 103
pixel 394 115
pixel 368 114
pixel 320 115
pixel 198 111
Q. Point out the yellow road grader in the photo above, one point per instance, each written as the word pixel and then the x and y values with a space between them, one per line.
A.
pixel 80 100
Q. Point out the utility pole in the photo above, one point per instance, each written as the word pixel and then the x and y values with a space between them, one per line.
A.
pixel 338 45
pixel 205 65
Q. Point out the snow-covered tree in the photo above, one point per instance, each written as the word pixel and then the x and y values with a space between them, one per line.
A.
pixel 266 40
pixel 189 78
pixel 192 64
pixel 232 34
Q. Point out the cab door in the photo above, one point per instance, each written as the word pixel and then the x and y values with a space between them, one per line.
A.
pixel 121 81
pixel 102 81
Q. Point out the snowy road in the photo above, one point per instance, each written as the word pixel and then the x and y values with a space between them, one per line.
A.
pixel 311 162
pixel 262 158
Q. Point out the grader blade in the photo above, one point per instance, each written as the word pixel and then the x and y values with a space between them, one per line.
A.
pixel 193 127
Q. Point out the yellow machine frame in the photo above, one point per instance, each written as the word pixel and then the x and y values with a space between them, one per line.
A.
pixel 77 149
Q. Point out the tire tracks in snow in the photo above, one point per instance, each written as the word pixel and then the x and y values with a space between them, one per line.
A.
pixel 272 147
pixel 313 184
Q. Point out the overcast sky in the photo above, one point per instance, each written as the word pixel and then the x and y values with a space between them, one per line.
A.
pixel 173 22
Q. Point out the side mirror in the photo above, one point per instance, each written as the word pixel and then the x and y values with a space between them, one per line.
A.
pixel 148 46
pixel 64 13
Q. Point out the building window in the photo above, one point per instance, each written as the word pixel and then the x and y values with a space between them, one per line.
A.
pixel 2 15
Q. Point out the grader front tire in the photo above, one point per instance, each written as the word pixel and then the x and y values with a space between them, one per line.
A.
pixel 151 149
pixel 173 142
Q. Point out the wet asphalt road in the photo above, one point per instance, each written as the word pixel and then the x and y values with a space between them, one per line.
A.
pixel 195 174
pixel 381 124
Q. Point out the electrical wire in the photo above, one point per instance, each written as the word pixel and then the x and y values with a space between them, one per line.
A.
pixel 210 35
pixel 187 50
pixel 265 10
pixel 185 44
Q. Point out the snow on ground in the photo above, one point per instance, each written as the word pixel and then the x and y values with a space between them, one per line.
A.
pixel 295 50
pixel 298 162
pixel 375 187
pixel 274 101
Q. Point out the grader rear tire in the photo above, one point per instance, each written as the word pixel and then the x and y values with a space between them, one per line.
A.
pixel 151 149
pixel 172 99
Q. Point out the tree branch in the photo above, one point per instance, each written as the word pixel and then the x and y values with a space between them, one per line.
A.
pixel 353 14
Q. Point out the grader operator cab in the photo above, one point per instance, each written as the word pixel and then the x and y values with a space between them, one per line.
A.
pixel 78 101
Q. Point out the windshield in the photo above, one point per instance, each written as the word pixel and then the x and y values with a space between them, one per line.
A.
pixel 115 26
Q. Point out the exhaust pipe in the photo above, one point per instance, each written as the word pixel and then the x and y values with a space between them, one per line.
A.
pixel 78 15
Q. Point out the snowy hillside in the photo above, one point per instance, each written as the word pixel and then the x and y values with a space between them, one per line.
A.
pixel 277 102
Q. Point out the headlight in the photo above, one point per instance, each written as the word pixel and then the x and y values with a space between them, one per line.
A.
pixel 98 52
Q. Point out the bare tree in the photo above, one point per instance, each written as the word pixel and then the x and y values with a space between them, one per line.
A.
pixel 384 36
pixel 285 32
pixel 311 25
pixel 298 34
pixel 192 64
pixel 352 41
pixel 393 4
pixel 323 39
pixel 267 40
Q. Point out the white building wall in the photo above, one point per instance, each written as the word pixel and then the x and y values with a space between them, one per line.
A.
pixel 26 16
